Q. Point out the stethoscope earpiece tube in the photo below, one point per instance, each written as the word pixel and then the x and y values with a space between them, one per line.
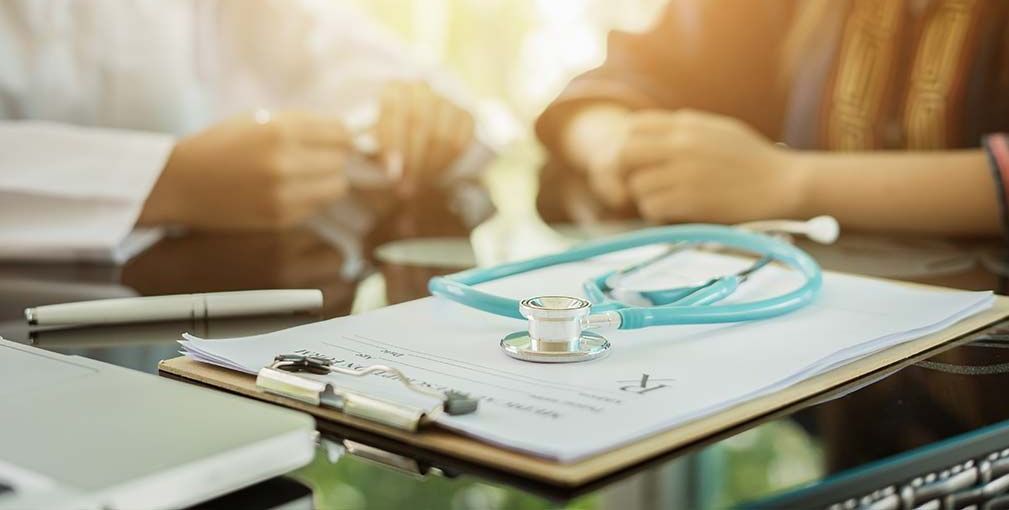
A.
pixel 693 313
pixel 452 289
pixel 458 287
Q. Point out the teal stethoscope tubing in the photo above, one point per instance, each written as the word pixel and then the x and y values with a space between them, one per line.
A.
pixel 458 287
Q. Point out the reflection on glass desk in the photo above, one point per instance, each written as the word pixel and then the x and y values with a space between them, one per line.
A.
pixel 136 346
pixel 944 395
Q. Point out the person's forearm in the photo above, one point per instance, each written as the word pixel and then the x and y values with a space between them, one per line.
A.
pixel 939 192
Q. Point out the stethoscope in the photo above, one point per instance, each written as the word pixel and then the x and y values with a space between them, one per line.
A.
pixel 557 324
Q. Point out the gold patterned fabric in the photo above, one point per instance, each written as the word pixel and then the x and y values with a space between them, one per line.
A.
pixel 865 74
pixel 933 83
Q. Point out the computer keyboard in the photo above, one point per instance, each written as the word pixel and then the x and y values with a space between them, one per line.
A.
pixel 980 484
pixel 967 472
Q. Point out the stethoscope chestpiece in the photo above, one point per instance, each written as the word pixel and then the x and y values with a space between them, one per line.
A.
pixel 556 332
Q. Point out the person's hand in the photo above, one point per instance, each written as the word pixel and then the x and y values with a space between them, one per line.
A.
pixel 420 134
pixel 692 166
pixel 604 170
pixel 592 141
pixel 251 172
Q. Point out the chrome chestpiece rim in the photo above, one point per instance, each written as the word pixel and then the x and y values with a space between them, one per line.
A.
pixel 556 332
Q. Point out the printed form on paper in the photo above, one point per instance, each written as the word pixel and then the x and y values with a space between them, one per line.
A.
pixel 653 380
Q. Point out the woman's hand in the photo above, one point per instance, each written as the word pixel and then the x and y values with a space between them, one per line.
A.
pixel 252 173
pixel 420 134
pixel 682 166
pixel 591 142
pixel 688 166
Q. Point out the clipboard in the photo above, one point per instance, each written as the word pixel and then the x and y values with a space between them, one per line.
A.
pixel 445 443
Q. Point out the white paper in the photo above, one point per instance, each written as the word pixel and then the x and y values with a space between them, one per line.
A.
pixel 654 379
pixel 74 193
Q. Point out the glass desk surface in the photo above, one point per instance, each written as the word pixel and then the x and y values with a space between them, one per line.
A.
pixel 950 393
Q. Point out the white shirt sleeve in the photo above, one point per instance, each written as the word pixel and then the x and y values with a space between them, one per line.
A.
pixel 70 192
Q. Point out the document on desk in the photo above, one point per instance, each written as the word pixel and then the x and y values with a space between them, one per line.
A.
pixel 654 379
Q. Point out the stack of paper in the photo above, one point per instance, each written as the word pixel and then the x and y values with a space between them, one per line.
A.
pixel 655 378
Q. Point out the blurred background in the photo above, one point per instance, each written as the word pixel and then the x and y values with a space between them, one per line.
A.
pixel 514 57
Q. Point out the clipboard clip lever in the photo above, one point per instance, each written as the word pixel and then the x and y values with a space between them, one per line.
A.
pixel 280 378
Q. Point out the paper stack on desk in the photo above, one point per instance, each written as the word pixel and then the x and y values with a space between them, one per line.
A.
pixel 655 379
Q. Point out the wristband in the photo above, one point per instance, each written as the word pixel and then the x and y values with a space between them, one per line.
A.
pixel 996 146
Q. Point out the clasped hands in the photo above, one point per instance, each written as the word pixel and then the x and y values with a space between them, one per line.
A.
pixel 276 170
pixel 691 166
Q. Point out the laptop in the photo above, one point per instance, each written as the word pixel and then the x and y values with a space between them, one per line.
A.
pixel 79 433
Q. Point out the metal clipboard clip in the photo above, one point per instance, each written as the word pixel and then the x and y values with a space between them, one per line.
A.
pixel 280 378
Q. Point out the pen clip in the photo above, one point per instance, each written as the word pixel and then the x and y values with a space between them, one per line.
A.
pixel 280 378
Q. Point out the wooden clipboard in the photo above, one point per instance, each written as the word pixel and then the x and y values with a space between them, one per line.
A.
pixel 585 471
